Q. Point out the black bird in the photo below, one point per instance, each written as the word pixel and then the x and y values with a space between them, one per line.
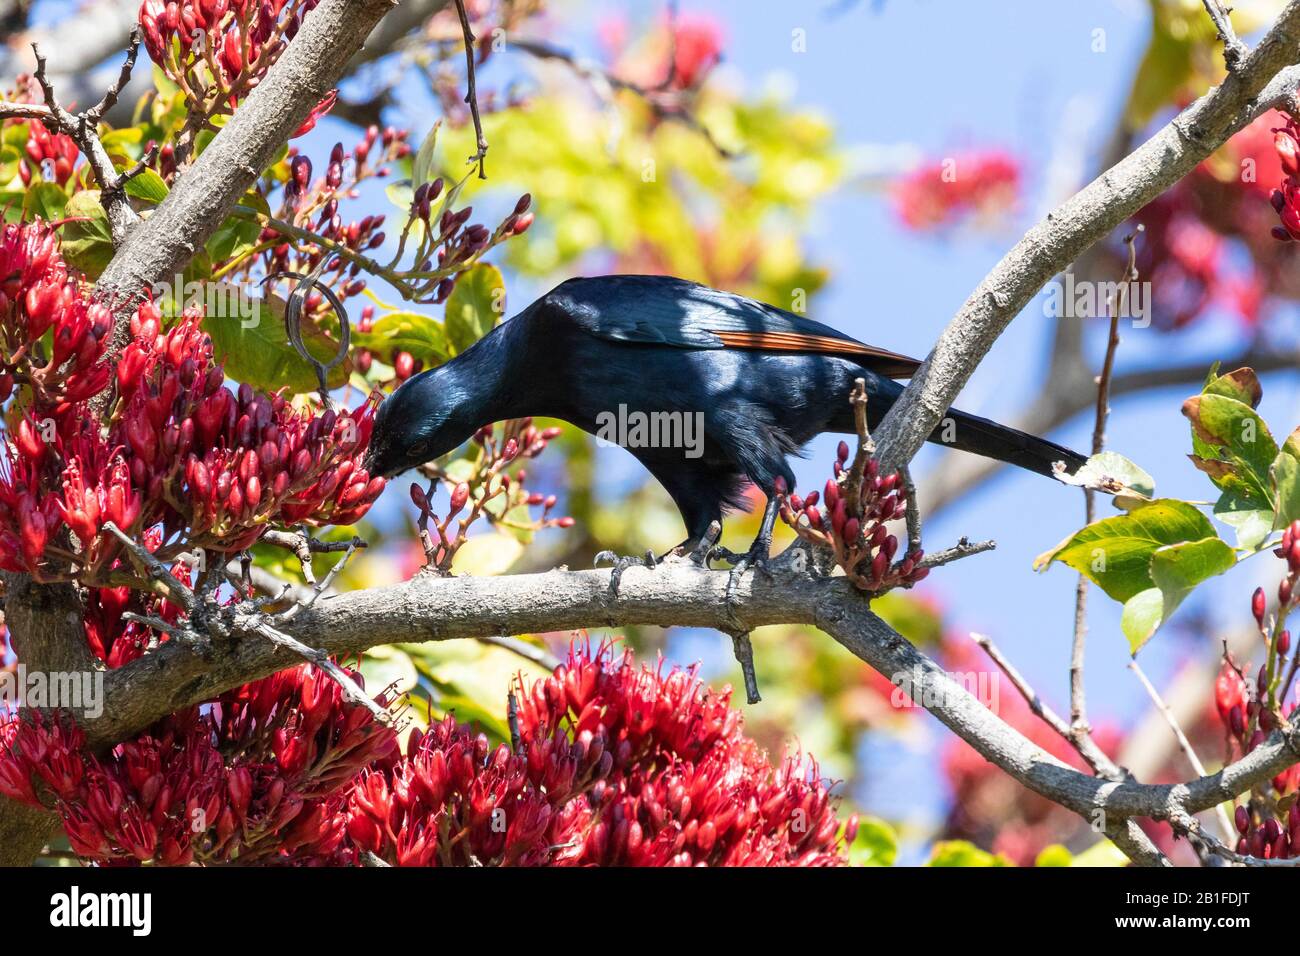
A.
pixel 762 382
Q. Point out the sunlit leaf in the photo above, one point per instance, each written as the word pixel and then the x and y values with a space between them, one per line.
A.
pixel 1115 553
pixel 474 306
pixel 87 239
pixel 250 337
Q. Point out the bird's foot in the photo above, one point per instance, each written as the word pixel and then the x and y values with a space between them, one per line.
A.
pixel 757 557
pixel 706 547
pixel 621 563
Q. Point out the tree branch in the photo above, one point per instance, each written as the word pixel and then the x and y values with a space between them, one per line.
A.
pixel 1080 222
pixel 429 608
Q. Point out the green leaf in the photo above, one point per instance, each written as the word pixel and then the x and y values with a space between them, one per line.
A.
pixel 1054 855
pixel 1242 385
pixel 1176 571
pixel 963 853
pixel 485 555
pixel 249 336
pixel 240 230
pixel 147 185
pixel 44 200
pixel 875 845
pixel 1141 616
pixel 10 159
pixel 1244 515
pixel 1236 448
pixel 421 335
pixel 474 306
pixel 1115 553
pixel 1285 477
pixel 11 201
pixel 384 665
pixel 1106 469
pixel 87 239
pixel 422 165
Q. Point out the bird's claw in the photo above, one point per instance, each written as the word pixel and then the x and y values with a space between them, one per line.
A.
pixel 756 557
pixel 706 547
pixel 621 563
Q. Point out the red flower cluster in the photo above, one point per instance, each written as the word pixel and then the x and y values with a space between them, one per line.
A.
pixel 50 156
pixel 1286 199
pixel 181 450
pixel 1267 838
pixel 856 530
pixel 618 765
pixel 943 193
pixel 217 50
pixel 243 779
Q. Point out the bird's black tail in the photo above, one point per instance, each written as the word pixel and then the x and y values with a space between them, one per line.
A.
pixel 981 436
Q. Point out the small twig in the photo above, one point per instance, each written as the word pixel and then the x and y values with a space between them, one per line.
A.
pixel 372 859
pixel 471 95
pixel 1101 764
pixel 1079 727
pixel 537 655
pixel 962 549
pixel 322 586
pixel 175 589
pixel 83 129
pixel 744 651
pixel 303 546
pixel 913 511
pixel 158 624
pixel 351 689
pixel 1185 823
pixel 1186 745
pixel 866 447
pixel 1234 51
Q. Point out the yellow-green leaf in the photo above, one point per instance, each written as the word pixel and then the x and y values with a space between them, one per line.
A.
pixel 475 305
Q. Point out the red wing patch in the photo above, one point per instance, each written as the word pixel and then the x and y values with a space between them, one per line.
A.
pixel 879 360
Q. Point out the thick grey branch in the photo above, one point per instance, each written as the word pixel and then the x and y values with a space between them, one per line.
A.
pixel 1080 222
pixel 431 608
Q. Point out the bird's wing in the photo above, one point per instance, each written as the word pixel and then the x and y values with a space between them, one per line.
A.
pixel 661 310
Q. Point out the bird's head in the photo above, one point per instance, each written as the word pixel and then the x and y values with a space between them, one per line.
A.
pixel 426 417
